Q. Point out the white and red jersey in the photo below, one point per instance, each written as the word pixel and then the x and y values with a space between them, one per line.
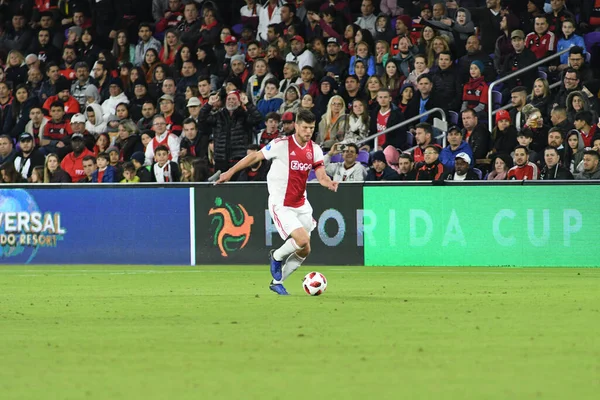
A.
pixel 289 171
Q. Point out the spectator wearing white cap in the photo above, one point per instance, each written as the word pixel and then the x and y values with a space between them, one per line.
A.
pixel 462 170
pixel 78 122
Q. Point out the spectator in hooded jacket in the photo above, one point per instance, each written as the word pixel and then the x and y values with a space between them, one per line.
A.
pixel 456 145
pixel 379 170
pixel 475 92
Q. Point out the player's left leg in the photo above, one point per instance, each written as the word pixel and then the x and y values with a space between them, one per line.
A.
pixel 295 260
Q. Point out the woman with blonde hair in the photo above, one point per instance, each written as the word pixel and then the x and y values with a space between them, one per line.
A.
pixel 16 70
pixel 540 97
pixel 53 173
pixel 185 166
pixel 171 45
pixel 334 123
pixel 436 46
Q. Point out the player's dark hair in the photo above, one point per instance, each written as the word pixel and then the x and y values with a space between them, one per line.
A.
pixel 88 158
pixel 305 116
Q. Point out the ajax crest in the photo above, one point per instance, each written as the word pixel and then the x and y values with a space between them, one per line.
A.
pixel 232 226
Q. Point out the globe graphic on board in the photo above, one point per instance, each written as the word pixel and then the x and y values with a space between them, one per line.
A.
pixel 17 200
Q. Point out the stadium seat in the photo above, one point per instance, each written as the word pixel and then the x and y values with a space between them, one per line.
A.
pixel 312 175
pixel 591 39
pixel 363 158
pixel 453 117
pixel 337 158
pixel 478 172
pixel 542 75
pixel 410 139
pixel 496 99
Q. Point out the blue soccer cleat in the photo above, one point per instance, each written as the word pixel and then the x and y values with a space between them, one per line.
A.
pixel 275 267
pixel 278 288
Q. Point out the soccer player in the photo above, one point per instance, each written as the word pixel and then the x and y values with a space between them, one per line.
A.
pixel 292 159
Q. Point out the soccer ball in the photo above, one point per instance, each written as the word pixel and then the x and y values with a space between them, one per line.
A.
pixel 314 283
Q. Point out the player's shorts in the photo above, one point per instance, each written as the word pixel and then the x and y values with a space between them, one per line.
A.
pixel 288 219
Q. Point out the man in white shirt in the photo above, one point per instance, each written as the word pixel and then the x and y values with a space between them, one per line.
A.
pixel 367 19
pixel 347 171
pixel 300 54
pixel 268 14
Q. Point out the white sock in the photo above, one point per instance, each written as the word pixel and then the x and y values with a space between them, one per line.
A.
pixel 293 262
pixel 286 249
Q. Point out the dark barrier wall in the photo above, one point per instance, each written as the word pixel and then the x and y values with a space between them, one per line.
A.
pixel 100 225
pixel 233 225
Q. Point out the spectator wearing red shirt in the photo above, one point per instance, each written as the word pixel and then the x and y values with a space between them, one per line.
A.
pixel 172 17
pixel 56 130
pixel 523 169
pixel 63 94
pixel 67 68
pixel 475 92
pixel 584 123
pixel 541 42
pixel 72 164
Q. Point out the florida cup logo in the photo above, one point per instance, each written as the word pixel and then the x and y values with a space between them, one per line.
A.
pixel 232 226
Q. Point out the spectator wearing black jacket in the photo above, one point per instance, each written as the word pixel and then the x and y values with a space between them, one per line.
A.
pixel 384 116
pixel 553 170
pixel 423 100
pixel 476 135
pixel 380 171
pixel 192 143
pixel 521 58
pixel 474 53
pixel 257 172
pixel 28 157
pixel 488 20
pixel 233 127
pixel 433 169
pixel 446 82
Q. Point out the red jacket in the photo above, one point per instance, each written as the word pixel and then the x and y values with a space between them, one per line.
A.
pixel 71 106
pixel 527 172
pixel 57 130
pixel 74 165
pixel 541 45
pixel 476 91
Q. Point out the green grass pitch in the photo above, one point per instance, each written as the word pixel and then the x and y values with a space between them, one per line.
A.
pixel 213 332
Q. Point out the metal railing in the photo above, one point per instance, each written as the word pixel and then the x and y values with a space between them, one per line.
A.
pixel 406 122
pixel 517 73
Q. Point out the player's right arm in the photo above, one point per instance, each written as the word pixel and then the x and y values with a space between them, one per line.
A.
pixel 244 163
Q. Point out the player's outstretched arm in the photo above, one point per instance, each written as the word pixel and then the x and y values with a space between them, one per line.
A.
pixel 325 180
pixel 244 163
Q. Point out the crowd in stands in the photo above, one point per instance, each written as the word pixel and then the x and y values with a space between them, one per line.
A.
pixel 175 90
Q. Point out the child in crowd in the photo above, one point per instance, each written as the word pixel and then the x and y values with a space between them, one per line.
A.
pixel 105 173
pixel 163 170
pixel 129 175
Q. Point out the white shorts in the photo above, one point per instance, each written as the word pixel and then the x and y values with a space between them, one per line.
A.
pixel 288 219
